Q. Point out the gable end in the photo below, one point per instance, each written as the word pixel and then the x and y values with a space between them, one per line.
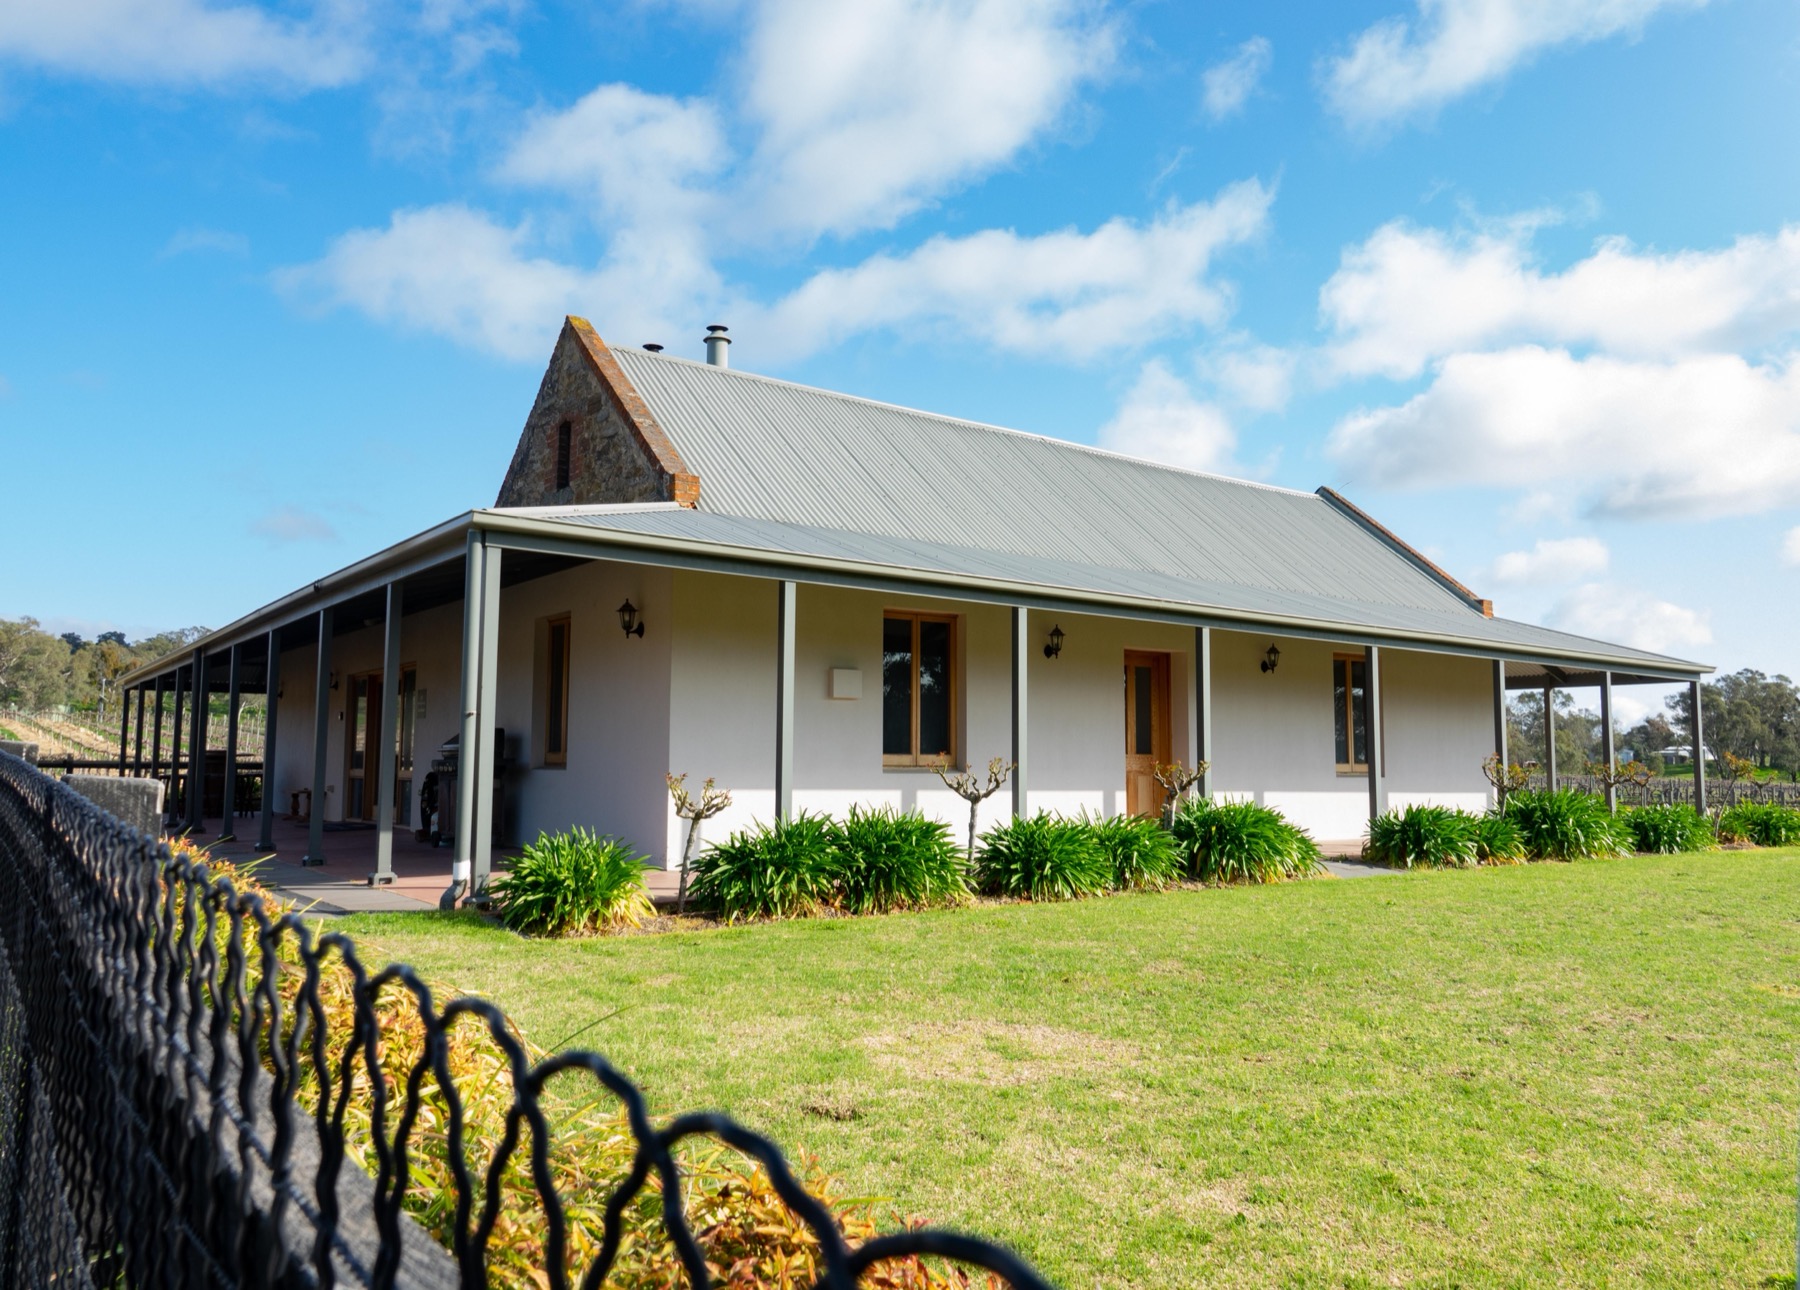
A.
pixel 615 451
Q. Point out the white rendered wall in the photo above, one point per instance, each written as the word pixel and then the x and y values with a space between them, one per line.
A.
pixel 1440 726
pixel 1274 734
pixel 618 729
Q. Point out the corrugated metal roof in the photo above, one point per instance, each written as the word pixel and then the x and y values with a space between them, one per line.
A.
pixel 1450 619
pixel 772 450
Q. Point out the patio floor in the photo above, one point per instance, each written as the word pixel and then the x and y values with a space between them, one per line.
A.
pixel 341 884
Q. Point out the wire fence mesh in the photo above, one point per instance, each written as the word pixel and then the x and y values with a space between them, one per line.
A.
pixel 181 1072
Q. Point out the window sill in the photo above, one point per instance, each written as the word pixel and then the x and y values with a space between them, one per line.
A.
pixel 1353 772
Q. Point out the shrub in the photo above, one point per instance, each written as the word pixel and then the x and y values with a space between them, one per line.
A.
pixel 1434 837
pixel 1142 853
pixel 772 871
pixel 1241 842
pixel 1497 840
pixel 1043 858
pixel 572 882
pixel 1763 823
pixel 1565 824
pixel 1668 827
pixel 887 860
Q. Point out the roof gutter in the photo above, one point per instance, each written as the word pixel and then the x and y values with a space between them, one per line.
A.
pixel 553 537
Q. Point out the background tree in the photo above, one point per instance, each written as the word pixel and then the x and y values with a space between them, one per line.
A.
pixel 1646 740
pixel 1577 731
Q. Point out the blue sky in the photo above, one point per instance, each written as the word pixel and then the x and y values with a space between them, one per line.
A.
pixel 1522 277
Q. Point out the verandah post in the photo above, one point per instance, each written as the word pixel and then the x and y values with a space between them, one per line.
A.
pixel 1372 730
pixel 1699 749
pixel 386 753
pixel 462 862
pixel 315 831
pixel 233 691
pixel 785 620
pixel 1550 738
pixel 1608 753
pixel 1500 747
pixel 487 704
pixel 124 728
pixel 1021 671
pixel 1203 708
pixel 265 838
pixel 175 747
pixel 196 777
pixel 137 756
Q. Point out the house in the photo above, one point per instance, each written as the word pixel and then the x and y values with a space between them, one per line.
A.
pixel 815 598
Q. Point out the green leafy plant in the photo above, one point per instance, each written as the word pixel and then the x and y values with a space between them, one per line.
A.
pixel 1042 857
pixel 1566 824
pixel 1434 837
pixel 1667 827
pixel 1242 842
pixel 1763 823
pixel 1142 853
pixel 771 871
pixel 888 860
pixel 1497 840
pixel 572 882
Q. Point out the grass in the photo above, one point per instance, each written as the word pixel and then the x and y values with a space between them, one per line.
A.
pixel 1550 1074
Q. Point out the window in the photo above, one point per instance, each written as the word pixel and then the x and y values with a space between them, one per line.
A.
pixel 1350 704
pixel 556 692
pixel 918 689
pixel 564 433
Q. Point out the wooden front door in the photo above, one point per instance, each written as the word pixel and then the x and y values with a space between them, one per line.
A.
pixel 362 719
pixel 1146 730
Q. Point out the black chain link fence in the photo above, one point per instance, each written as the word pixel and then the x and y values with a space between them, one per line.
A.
pixel 152 1131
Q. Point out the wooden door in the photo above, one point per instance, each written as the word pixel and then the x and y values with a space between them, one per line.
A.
pixel 362 719
pixel 1146 729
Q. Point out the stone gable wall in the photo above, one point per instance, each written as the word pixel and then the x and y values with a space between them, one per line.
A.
pixel 617 452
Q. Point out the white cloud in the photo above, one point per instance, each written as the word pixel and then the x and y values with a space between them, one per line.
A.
pixel 868 110
pixel 1553 560
pixel 1407 296
pixel 638 156
pixel 1257 377
pixel 1790 546
pixel 1161 420
pixel 1606 611
pixel 184 42
pixel 190 240
pixel 450 271
pixel 289 524
pixel 1699 436
pixel 1069 293
pixel 1225 87
pixel 1398 68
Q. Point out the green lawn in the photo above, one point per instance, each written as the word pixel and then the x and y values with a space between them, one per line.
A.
pixel 1548 1075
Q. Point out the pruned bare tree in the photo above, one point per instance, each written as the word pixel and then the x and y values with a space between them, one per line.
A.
pixel 693 809
pixel 1620 774
pixel 1504 777
pixel 1176 779
pixel 975 791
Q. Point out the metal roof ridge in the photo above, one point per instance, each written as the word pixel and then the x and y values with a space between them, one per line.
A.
pixel 585 508
pixel 1053 440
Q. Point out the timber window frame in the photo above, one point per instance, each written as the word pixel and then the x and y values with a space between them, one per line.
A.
pixel 914 718
pixel 555 706
pixel 1349 702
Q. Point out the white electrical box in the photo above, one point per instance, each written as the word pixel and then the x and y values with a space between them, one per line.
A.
pixel 846 683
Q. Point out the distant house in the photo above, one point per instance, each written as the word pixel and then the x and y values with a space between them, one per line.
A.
pixel 815 598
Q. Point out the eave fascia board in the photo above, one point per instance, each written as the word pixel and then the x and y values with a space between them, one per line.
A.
pixel 406 557
pixel 550 537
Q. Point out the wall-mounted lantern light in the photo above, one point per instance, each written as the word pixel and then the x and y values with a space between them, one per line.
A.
pixel 1270 658
pixel 1054 648
pixel 628 619
pixel 334 681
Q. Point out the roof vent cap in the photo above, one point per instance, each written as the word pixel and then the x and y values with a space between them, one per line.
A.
pixel 653 347
pixel 718 345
